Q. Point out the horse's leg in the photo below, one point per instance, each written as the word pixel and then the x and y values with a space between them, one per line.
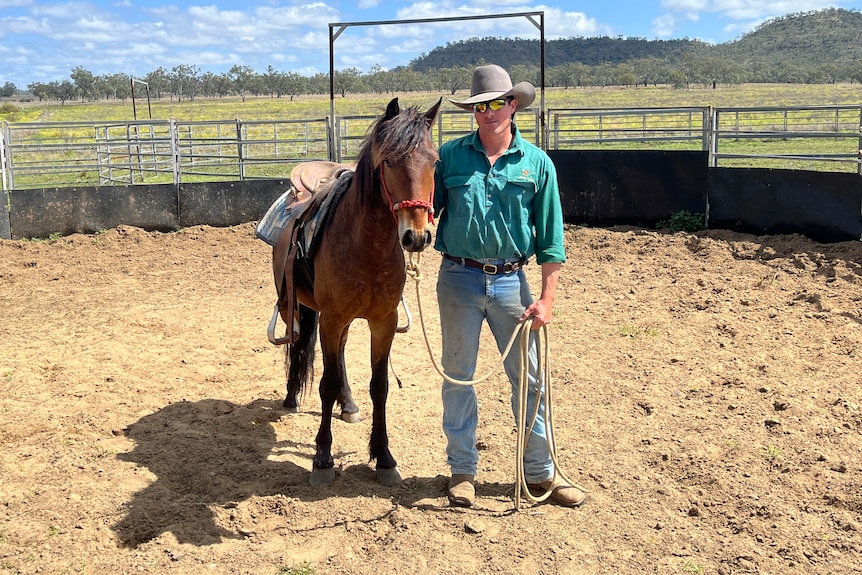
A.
pixel 349 409
pixel 382 334
pixel 332 341
pixel 299 358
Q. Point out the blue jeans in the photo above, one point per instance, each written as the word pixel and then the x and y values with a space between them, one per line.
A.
pixel 467 297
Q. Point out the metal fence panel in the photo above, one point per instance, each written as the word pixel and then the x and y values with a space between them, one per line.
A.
pixel 817 138
pixel 626 129
pixel 57 154
pixel 62 154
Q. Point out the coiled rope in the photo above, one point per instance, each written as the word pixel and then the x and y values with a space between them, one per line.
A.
pixel 543 374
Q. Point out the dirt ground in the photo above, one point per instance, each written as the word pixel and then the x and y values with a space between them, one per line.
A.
pixel 706 392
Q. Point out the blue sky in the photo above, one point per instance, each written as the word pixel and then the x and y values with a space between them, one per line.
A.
pixel 43 40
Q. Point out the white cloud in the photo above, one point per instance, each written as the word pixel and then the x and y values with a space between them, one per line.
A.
pixel 685 5
pixel 560 24
pixel 67 11
pixel 23 26
pixel 745 9
pixel 663 26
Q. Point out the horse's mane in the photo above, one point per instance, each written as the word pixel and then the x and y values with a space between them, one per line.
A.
pixel 390 139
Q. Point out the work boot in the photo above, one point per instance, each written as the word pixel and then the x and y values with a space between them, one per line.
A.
pixel 561 492
pixel 462 493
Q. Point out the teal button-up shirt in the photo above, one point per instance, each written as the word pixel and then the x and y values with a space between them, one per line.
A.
pixel 510 210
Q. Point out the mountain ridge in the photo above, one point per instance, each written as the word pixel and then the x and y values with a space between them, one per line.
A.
pixel 831 36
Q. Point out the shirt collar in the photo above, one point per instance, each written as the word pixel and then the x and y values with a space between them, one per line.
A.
pixel 517 144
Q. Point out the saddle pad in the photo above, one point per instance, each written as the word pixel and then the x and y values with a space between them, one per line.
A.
pixel 289 206
pixel 319 217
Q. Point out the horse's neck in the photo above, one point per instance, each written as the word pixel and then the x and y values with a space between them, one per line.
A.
pixel 368 218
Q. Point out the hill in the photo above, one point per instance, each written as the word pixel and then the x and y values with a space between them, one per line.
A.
pixel 589 51
pixel 826 37
pixel 830 36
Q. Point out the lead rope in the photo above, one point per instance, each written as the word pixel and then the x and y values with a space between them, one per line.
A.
pixel 543 374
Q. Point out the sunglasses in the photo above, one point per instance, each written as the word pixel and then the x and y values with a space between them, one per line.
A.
pixel 493 104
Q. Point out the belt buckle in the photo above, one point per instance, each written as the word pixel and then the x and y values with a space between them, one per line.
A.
pixel 490 269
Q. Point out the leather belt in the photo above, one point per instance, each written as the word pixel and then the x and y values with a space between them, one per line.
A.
pixel 490 269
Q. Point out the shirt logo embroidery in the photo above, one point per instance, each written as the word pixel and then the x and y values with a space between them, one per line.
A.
pixel 525 173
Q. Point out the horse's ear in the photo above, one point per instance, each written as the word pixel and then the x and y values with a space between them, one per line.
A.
pixel 431 114
pixel 392 109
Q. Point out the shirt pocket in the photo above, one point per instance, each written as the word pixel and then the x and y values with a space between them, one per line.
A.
pixel 519 192
pixel 464 190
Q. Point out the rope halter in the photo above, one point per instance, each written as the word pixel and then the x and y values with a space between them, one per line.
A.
pixel 394 207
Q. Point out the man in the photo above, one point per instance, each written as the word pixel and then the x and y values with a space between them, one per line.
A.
pixel 498 204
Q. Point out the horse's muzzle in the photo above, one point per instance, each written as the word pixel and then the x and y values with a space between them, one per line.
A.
pixel 413 242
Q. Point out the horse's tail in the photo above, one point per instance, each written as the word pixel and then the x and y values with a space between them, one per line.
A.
pixel 299 357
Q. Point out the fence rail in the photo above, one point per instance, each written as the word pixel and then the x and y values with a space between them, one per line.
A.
pixel 813 137
pixel 60 154
pixel 665 128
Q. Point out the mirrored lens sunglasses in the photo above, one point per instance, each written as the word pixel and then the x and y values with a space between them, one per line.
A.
pixel 493 104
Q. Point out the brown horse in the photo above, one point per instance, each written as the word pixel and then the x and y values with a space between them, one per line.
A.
pixel 357 270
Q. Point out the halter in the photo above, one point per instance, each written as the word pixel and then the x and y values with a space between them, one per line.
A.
pixel 394 207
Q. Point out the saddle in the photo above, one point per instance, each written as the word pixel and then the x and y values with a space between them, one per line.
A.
pixel 313 177
pixel 316 187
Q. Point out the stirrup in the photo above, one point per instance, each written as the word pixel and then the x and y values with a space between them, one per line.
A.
pixel 270 331
pixel 405 328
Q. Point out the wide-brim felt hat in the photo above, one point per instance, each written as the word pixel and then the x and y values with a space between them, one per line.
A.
pixel 492 82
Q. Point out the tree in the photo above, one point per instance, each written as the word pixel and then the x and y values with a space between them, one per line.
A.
pixel 63 91
pixel 455 78
pixel 625 74
pixel 678 79
pixel 318 84
pixel 378 82
pixel 711 71
pixel 649 70
pixel 85 83
pixel 114 86
pixel 243 78
pixel 829 72
pixel 8 90
pixel 184 81
pixel 208 85
pixel 273 80
pixel 347 80
pixel 40 90
pixel 122 86
pixel 159 82
pixel 294 84
pixel 522 73
pixel 605 74
pixel 573 74
pixel 409 79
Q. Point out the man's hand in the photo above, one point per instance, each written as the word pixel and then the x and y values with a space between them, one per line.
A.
pixel 539 312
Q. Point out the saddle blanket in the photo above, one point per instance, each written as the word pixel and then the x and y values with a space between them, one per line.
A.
pixel 279 215
pixel 293 203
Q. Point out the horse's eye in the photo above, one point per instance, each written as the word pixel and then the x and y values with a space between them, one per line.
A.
pixel 387 163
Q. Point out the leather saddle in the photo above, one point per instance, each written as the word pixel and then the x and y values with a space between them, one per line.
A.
pixel 313 177
pixel 320 184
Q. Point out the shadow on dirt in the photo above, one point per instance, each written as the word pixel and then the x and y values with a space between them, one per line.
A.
pixel 209 455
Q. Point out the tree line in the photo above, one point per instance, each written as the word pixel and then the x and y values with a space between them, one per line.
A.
pixel 816 47
pixel 187 82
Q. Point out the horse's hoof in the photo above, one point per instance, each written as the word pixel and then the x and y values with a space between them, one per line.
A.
pixel 389 477
pixel 350 417
pixel 292 409
pixel 322 476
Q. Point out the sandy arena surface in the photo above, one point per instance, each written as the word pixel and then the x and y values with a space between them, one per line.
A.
pixel 707 393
